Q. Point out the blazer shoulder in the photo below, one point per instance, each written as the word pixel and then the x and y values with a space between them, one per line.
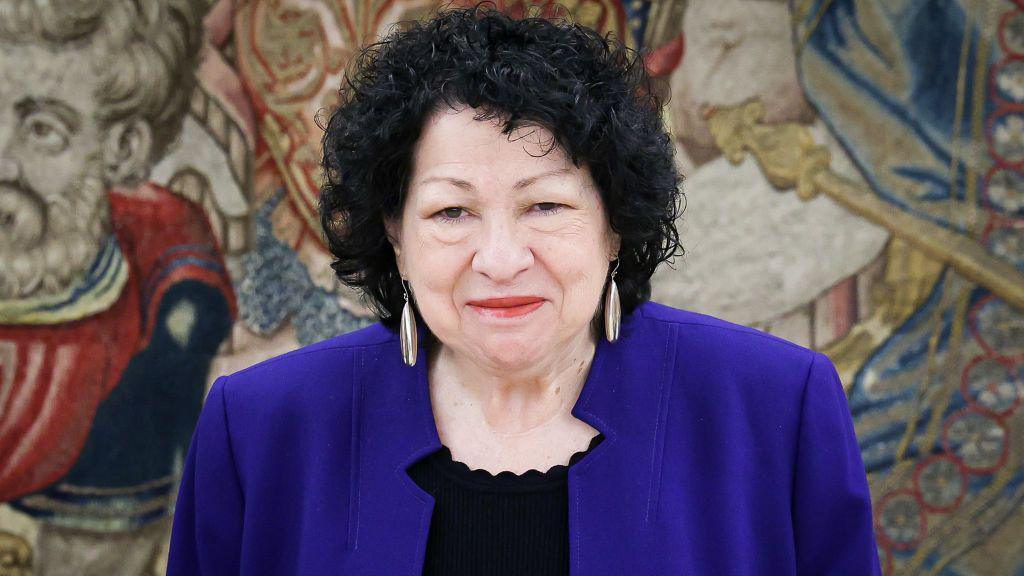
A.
pixel 374 335
pixel 719 329
pixel 283 399
pixel 305 371
pixel 728 349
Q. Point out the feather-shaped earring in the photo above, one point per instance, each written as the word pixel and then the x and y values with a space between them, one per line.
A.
pixel 408 330
pixel 612 309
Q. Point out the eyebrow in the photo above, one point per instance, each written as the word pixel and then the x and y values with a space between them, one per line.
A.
pixel 525 182
pixel 28 105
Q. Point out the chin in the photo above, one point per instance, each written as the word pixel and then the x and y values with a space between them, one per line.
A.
pixel 512 351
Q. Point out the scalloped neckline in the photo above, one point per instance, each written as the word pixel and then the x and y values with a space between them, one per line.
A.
pixel 480 477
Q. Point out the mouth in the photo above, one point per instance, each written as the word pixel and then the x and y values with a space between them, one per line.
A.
pixel 510 307
pixel 22 218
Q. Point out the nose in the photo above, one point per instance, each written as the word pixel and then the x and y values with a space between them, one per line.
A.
pixel 501 254
pixel 8 167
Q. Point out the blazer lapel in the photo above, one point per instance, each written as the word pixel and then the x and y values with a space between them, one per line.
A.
pixel 394 427
pixel 613 491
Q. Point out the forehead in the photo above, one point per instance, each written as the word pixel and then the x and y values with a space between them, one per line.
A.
pixel 43 72
pixel 453 141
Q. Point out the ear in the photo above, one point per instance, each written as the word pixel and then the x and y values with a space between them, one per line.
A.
pixel 614 244
pixel 393 228
pixel 126 151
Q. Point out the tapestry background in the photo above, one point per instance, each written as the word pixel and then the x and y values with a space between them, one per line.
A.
pixel 854 183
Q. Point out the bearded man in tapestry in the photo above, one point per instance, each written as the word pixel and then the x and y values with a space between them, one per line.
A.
pixel 114 297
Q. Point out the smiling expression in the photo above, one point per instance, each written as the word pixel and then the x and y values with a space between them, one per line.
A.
pixel 506 249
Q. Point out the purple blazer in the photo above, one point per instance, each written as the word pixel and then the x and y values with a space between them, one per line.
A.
pixel 727 451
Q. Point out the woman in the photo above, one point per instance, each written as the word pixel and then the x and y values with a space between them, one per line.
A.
pixel 502 191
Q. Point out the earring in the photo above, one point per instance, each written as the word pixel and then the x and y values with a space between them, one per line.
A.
pixel 408 331
pixel 612 310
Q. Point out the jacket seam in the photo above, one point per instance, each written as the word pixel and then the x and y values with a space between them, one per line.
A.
pixel 799 432
pixel 658 440
pixel 230 441
pixel 356 458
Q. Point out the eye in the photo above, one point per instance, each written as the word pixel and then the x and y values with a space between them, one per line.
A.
pixel 549 207
pixel 452 214
pixel 45 133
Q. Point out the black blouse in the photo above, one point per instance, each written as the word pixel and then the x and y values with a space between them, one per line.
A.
pixel 494 525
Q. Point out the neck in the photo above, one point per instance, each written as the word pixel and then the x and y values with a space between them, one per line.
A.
pixel 510 403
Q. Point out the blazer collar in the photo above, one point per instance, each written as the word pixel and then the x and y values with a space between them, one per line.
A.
pixel 613 489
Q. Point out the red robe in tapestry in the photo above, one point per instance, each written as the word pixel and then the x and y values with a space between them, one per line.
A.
pixel 53 376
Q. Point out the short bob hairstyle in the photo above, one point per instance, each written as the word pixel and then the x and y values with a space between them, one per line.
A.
pixel 590 92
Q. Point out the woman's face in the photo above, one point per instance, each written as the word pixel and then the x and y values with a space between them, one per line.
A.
pixel 488 217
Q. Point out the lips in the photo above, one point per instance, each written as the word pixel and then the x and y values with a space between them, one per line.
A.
pixel 507 302
pixel 22 217
pixel 508 307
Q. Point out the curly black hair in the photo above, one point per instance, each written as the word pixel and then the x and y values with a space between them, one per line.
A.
pixel 591 92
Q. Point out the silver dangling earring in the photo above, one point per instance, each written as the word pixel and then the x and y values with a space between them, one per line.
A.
pixel 612 309
pixel 408 331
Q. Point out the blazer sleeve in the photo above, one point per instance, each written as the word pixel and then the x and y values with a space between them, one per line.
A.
pixel 206 534
pixel 833 527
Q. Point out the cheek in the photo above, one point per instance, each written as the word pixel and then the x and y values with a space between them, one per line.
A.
pixel 578 260
pixel 435 260
pixel 54 176
pixel 436 234
pixel 440 271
